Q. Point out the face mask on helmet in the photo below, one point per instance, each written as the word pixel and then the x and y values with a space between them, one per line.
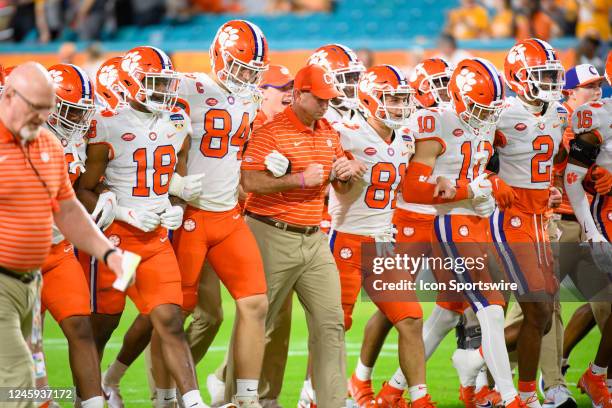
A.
pixel 348 84
pixel 545 82
pixel 438 86
pixel 239 78
pixel 71 120
pixel 159 91
pixel 481 117
pixel 395 107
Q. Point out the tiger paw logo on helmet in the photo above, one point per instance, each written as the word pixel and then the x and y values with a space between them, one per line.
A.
pixel 320 58
pixel 228 37
pixel 129 63
pixel 517 53
pixel 465 80
pixel 108 75
pixel 56 76
pixel 368 82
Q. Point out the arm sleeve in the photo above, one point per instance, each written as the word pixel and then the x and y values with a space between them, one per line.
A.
pixel 417 189
pixel 260 145
pixel 574 176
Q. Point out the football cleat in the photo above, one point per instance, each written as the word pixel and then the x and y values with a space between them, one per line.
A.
pixel 423 402
pixel 361 392
pixel 559 397
pixel 488 398
pixel 391 397
pixel 516 403
pixel 468 396
pixel 532 401
pixel 112 395
pixel 246 402
pixel 307 398
pixel 595 387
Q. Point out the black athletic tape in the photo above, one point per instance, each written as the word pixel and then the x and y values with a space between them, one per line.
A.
pixel 583 152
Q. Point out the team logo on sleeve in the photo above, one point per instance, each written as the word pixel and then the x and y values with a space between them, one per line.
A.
pixel 571 177
pixel 516 222
pixel 346 253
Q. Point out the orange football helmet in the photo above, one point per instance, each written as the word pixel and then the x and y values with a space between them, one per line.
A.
pixel 608 73
pixel 477 93
pixel 74 105
pixel 429 79
pixel 4 72
pixel 239 57
pixel 345 67
pixel 147 75
pixel 108 89
pixel 533 70
pixel 385 93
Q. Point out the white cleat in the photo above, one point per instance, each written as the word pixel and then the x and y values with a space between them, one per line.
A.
pixel 112 395
pixel 306 398
pixel 559 397
pixel 468 363
pixel 216 389
pixel 532 401
pixel 246 402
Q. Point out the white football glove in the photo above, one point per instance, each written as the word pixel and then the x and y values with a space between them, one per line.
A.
pixel 601 251
pixel 385 241
pixel 144 220
pixel 481 186
pixel 484 206
pixel 276 163
pixel 172 218
pixel 186 187
pixel 104 213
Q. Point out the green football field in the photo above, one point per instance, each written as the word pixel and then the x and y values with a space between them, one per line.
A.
pixel 441 378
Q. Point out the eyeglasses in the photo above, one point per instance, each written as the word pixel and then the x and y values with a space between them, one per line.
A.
pixel 33 107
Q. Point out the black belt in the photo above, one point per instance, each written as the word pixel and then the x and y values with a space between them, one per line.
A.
pixel 22 277
pixel 569 217
pixel 283 225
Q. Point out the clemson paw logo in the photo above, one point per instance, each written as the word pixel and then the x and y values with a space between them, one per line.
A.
pixel 368 83
pixel 108 75
pixel 189 225
pixel 320 58
pixel 129 63
pixel 415 72
pixel 466 80
pixel 56 76
pixel 516 222
pixel 115 240
pixel 464 231
pixel 609 215
pixel 228 37
pixel 408 231
pixel 571 178
pixel 517 53
pixel 346 253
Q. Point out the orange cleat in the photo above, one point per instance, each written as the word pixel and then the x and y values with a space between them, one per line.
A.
pixel 391 397
pixel 362 392
pixel 516 403
pixel 423 402
pixel 487 398
pixel 595 387
pixel 468 396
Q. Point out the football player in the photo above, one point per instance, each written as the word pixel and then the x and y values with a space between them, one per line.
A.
pixel 590 153
pixel 457 143
pixel 136 148
pixel 222 107
pixel 109 91
pixel 527 140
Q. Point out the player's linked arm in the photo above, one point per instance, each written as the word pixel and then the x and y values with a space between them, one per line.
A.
pixel 416 187
pixel 97 160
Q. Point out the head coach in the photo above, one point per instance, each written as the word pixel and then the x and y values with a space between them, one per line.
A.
pixel 34 192
pixel 288 164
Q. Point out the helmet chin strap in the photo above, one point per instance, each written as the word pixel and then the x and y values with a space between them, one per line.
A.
pixel 532 108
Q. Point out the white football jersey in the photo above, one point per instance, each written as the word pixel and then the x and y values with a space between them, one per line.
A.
pixel 464 157
pixel 221 125
pixel 597 116
pixel 75 153
pixel 367 208
pixel 527 144
pixel 143 154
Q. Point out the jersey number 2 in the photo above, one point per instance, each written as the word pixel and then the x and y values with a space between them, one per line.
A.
pixel 544 144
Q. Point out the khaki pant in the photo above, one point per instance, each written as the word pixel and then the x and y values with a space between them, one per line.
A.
pixel 16 364
pixel 305 265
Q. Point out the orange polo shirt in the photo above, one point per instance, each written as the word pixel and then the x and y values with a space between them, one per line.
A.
pixel 26 214
pixel 302 146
